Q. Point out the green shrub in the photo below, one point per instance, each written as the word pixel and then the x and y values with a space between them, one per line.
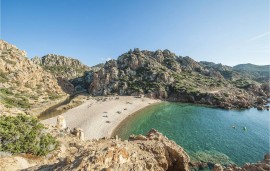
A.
pixel 6 91
pixel 53 96
pixel 25 134
pixel 3 77
pixel 21 102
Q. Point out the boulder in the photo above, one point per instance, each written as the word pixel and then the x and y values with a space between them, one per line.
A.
pixel 218 167
pixel 61 122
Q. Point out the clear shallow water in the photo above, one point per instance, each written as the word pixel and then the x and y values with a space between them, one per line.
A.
pixel 206 133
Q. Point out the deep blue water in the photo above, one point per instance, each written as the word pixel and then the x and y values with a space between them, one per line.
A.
pixel 207 134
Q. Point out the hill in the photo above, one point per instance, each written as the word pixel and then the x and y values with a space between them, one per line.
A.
pixel 70 72
pixel 260 73
pixel 164 75
pixel 26 84
pixel 61 66
pixel 23 84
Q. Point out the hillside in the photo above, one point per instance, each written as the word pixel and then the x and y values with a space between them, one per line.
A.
pixel 62 66
pixel 252 68
pixel 69 72
pixel 157 74
pixel 164 75
pixel 23 84
pixel 260 73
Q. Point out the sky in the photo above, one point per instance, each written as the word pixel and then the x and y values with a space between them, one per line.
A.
pixel 221 31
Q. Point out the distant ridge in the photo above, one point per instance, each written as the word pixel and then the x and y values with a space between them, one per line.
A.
pixel 252 67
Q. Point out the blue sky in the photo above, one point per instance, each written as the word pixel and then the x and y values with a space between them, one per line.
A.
pixel 221 31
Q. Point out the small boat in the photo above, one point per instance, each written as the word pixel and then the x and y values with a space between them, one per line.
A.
pixel 244 128
pixel 233 126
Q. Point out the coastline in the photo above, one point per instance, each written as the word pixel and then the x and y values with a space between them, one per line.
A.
pixel 100 116
pixel 123 122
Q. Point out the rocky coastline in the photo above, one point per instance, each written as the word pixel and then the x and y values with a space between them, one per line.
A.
pixel 153 151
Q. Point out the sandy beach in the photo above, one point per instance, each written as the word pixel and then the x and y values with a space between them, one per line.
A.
pixel 99 116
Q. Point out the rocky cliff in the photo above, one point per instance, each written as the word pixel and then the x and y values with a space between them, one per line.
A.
pixel 164 75
pixel 23 84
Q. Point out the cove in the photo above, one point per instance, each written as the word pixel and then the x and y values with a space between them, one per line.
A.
pixel 207 134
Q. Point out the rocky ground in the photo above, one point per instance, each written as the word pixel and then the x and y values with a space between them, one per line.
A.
pixel 151 152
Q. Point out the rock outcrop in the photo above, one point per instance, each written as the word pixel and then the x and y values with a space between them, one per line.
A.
pixel 61 66
pixel 23 84
pixel 155 152
pixel 70 73
pixel 263 165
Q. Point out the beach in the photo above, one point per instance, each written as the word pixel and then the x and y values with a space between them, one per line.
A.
pixel 99 116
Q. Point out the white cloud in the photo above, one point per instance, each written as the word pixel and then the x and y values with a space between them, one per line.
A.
pixel 259 36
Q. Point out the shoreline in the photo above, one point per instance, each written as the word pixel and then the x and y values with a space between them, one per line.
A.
pixel 100 116
pixel 113 134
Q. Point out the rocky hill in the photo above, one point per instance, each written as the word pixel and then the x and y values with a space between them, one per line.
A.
pixel 159 74
pixel 62 66
pixel 164 75
pixel 256 72
pixel 70 73
pixel 23 84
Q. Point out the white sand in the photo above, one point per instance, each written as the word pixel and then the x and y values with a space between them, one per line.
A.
pixel 99 118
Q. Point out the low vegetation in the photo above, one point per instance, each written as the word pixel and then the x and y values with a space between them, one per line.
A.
pixel 3 77
pixel 24 134
pixel 9 99
pixel 53 96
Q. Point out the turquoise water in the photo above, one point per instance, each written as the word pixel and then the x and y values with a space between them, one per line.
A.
pixel 207 134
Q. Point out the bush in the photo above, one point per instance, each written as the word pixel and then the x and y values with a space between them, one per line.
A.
pixel 3 77
pixel 25 134
pixel 21 102
pixel 53 96
pixel 6 91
